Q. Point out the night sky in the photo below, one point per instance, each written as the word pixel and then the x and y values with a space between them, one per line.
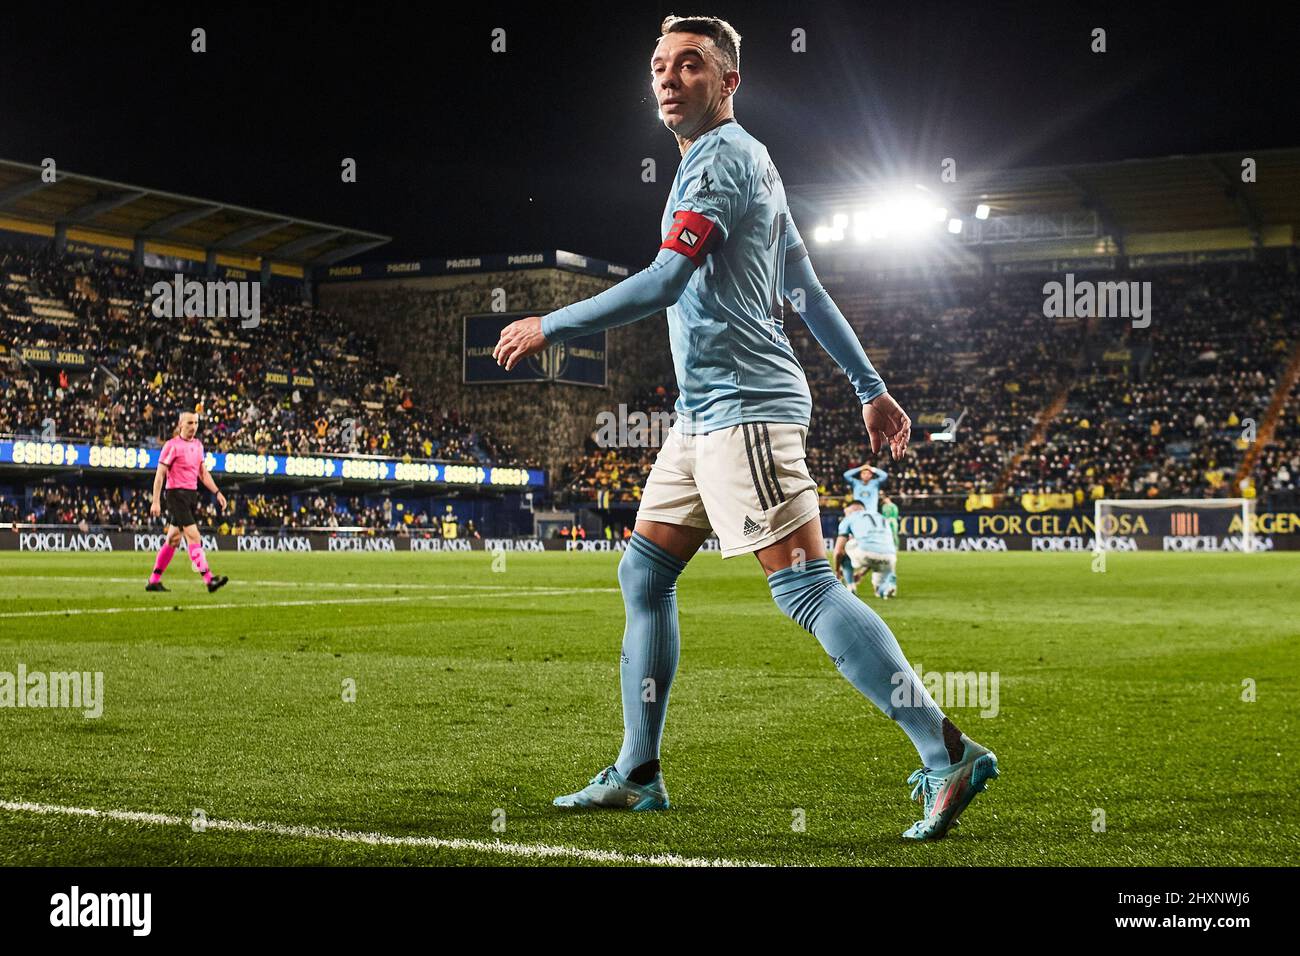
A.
pixel 461 150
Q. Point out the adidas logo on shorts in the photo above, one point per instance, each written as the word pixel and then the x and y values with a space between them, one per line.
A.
pixel 752 527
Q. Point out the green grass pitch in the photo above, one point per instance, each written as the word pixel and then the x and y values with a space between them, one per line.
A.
pixel 481 694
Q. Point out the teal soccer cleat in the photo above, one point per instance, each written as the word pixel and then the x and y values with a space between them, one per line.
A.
pixel 611 790
pixel 946 793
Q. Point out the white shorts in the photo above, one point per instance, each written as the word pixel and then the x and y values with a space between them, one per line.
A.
pixel 870 560
pixel 749 483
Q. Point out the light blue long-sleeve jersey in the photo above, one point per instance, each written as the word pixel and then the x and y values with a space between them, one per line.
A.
pixel 733 361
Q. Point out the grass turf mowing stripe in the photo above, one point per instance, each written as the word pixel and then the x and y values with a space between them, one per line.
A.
pixel 343 584
pixel 377 839
pixel 64 612
pixel 60 612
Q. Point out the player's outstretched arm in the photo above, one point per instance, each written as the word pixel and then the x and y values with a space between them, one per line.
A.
pixel 829 327
pixel 651 290
pixel 884 419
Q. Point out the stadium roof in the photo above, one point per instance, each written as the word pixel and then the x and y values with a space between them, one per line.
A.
pixel 136 212
pixel 1169 194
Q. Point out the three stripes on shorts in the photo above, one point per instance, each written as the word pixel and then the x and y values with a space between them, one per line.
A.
pixel 762 466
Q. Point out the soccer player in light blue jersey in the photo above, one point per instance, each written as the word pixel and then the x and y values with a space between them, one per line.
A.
pixel 734 462
pixel 866 490
pixel 865 541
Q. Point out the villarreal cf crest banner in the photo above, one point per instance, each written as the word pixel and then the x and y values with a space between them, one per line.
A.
pixel 580 361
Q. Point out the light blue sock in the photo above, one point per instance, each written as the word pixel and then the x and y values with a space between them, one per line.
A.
pixel 864 650
pixel 647 576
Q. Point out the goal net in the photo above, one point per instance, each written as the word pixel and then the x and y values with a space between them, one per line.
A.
pixel 1225 524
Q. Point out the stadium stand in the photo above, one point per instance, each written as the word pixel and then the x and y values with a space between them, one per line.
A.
pixel 1164 411
pixel 1277 470
pixel 148 369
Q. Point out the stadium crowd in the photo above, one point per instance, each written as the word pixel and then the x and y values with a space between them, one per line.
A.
pixel 127 508
pixel 1277 471
pixel 1170 410
pixel 143 370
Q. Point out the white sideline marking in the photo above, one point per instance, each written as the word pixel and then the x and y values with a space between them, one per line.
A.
pixel 57 612
pixel 378 839
pixel 333 584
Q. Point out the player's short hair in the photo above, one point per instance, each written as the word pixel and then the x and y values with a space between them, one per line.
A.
pixel 855 503
pixel 724 36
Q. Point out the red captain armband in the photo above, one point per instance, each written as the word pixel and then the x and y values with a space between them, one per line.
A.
pixel 691 234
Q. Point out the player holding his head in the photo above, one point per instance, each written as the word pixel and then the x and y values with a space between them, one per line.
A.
pixel 865 544
pixel 866 489
pixel 182 466
pixel 734 461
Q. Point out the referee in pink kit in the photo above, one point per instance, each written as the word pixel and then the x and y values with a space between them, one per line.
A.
pixel 181 465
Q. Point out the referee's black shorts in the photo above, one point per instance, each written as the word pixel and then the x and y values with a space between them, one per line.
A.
pixel 182 505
